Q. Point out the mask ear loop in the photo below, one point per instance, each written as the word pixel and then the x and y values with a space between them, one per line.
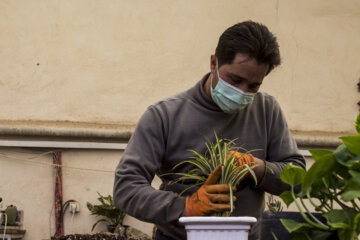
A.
pixel 211 82
pixel 217 68
pixel 217 73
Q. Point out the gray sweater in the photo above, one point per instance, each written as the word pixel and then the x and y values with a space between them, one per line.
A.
pixel 166 132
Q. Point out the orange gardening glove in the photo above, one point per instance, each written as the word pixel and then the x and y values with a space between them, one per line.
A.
pixel 210 197
pixel 242 159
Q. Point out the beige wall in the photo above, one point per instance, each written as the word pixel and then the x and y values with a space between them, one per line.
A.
pixel 101 62
pixel 27 181
pixel 105 62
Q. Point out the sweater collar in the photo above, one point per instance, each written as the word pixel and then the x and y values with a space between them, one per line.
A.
pixel 201 97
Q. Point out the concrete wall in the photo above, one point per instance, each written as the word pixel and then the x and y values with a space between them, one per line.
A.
pixel 105 62
pixel 27 180
pixel 101 63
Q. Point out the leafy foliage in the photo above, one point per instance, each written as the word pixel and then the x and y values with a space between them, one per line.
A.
pixel 221 152
pixel 274 205
pixel 334 179
pixel 107 210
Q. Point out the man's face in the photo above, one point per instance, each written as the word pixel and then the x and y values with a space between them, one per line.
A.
pixel 244 73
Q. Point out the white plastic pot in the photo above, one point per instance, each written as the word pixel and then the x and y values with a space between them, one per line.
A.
pixel 208 228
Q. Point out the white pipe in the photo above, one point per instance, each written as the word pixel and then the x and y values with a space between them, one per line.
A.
pixel 305 153
pixel 62 144
pixel 68 132
pixel 116 132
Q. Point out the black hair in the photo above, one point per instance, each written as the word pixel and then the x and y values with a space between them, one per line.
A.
pixel 252 39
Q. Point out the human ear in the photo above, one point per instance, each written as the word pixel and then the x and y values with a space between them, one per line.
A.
pixel 213 64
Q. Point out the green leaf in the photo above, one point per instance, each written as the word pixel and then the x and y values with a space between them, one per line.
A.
pixel 319 234
pixel 322 167
pixel 352 143
pixel 287 198
pixel 319 153
pixel 347 234
pixel 185 176
pixel 357 223
pixel 292 175
pixel 357 124
pixel 300 236
pixel 340 218
pixel 344 156
pixel 292 225
pixel 335 180
pixel 106 209
pixel 355 175
pixel 274 236
pixel 99 221
pixel 339 225
pixel 355 166
pixel 352 187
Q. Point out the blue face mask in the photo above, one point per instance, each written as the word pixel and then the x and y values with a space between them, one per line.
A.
pixel 229 98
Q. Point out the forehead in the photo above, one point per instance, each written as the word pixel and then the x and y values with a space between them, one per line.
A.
pixel 246 67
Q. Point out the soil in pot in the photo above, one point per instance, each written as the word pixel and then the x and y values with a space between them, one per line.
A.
pixel 95 236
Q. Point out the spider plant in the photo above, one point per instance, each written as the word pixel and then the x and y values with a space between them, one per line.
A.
pixel 273 204
pixel 107 210
pixel 221 152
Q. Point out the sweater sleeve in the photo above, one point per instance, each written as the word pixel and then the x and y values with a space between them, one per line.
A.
pixel 142 158
pixel 281 150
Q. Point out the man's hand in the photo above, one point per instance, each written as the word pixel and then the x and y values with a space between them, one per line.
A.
pixel 210 197
pixel 242 159
pixel 250 160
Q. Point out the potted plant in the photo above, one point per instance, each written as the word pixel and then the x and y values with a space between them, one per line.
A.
pixel 108 211
pixel 274 205
pixel 225 153
pixel 271 226
pixel 332 187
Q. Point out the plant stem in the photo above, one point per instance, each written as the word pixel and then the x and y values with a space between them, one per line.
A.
pixel 311 215
pixel 331 199
pixel 325 205
pixel 304 215
pixel 313 204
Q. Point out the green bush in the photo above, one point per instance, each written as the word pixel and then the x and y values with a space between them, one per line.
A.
pixel 334 182
pixel 107 209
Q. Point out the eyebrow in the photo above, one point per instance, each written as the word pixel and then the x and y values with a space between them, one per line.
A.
pixel 237 77
pixel 240 78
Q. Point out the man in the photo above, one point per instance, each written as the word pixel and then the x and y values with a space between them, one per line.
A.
pixel 226 100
